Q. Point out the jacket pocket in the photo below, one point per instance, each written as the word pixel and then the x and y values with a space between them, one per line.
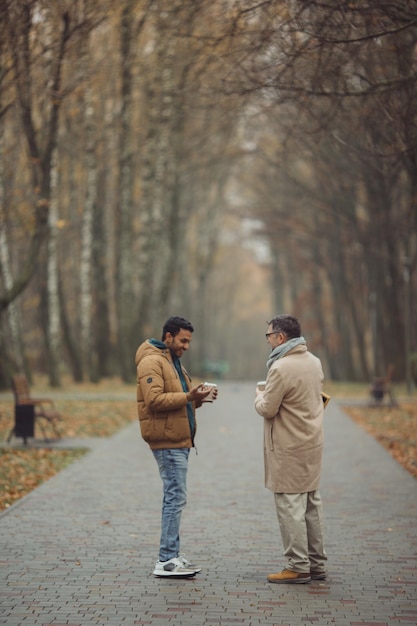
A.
pixel 269 440
pixel 177 427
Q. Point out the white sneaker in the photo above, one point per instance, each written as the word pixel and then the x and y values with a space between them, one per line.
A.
pixel 173 567
pixel 186 563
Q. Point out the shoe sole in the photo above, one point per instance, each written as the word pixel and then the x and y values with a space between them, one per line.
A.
pixel 294 581
pixel 174 575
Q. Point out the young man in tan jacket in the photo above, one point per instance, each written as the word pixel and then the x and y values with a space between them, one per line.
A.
pixel 166 409
pixel 292 407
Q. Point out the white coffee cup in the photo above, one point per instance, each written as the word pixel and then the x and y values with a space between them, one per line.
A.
pixel 261 385
pixel 212 387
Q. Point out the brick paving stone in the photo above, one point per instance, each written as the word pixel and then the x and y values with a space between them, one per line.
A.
pixel 80 549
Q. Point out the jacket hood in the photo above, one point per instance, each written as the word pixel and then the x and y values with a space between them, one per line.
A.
pixel 150 346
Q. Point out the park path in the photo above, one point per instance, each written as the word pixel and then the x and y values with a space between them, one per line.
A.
pixel 80 549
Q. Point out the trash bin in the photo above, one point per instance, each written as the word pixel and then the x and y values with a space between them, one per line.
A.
pixel 24 421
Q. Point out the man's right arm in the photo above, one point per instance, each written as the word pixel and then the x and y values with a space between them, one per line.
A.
pixel 156 398
pixel 267 403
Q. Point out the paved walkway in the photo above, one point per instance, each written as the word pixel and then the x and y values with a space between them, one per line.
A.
pixel 80 549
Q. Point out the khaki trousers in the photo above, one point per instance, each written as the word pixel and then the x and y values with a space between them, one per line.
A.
pixel 300 521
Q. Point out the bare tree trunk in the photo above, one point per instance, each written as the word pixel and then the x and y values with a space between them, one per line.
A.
pixel 71 344
pixel 382 255
pixel 103 346
pixel 87 238
pixel 54 317
pixel 277 283
pixel 124 295
pixel 13 315
pixel 159 175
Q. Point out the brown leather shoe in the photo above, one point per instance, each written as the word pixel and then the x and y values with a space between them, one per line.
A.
pixel 288 576
pixel 318 574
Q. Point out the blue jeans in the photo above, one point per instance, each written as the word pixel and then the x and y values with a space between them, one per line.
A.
pixel 173 465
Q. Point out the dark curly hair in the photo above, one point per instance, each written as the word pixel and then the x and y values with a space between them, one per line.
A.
pixel 173 325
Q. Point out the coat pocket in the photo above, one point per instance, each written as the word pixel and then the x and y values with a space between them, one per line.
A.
pixel 269 440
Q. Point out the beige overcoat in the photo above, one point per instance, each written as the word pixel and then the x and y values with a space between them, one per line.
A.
pixel 292 408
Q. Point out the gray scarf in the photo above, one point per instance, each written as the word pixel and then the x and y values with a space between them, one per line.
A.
pixel 280 351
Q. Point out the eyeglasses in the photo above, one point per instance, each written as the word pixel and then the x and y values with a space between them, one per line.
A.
pixel 274 332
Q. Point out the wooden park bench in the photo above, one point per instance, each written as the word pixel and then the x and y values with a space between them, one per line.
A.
pixel 28 410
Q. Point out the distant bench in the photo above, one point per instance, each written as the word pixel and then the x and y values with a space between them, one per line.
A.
pixel 381 387
pixel 28 410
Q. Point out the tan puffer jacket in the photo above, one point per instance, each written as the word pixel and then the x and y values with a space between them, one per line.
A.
pixel 161 400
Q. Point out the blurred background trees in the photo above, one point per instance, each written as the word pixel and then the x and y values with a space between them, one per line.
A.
pixel 224 160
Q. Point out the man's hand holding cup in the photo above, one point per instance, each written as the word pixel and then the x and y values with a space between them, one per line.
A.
pixel 204 392
pixel 212 392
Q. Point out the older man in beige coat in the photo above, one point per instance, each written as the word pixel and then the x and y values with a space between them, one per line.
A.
pixel 292 406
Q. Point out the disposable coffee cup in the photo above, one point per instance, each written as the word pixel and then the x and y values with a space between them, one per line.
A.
pixel 210 396
pixel 261 385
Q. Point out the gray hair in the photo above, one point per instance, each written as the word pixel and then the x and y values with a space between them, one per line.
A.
pixel 287 325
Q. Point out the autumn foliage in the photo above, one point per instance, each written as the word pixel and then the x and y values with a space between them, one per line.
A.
pixel 21 470
pixel 394 427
